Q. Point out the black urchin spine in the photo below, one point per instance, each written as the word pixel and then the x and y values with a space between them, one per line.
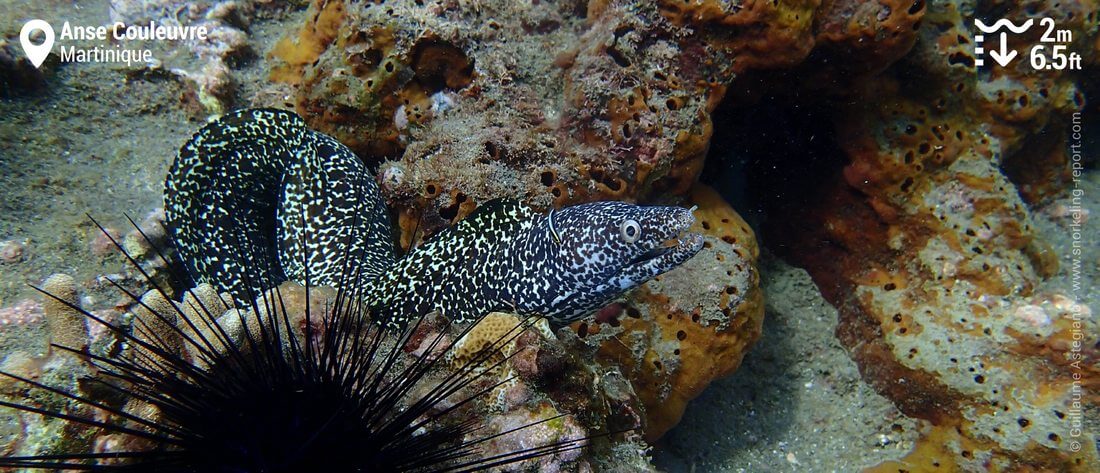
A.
pixel 341 397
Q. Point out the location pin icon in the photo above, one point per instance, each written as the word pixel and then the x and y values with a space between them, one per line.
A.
pixel 36 52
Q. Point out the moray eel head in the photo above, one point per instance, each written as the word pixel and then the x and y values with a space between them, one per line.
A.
pixel 606 248
pixel 651 241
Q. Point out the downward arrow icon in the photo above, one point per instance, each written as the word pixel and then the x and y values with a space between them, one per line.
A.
pixel 1005 56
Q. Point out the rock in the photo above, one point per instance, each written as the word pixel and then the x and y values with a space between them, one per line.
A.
pixel 496 333
pixel 933 257
pixel 61 307
pixel 103 242
pixel 12 251
pixel 617 107
pixel 17 74
pixel 564 428
pixel 692 325
pixel 155 322
pixel 23 312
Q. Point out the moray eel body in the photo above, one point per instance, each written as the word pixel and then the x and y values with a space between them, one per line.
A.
pixel 257 192
pixel 256 198
pixel 562 265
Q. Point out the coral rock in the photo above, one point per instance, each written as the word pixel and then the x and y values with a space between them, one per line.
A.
pixel 934 260
pixel 155 321
pixel 617 107
pixel 103 242
pixel 854 37
pixel 488 334
pixel 559 429
pixel 678 335
pixel 65 322
pixel 26 311
pixel 11 251
pixel 148 235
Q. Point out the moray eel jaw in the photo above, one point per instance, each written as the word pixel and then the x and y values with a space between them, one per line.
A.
pixel 655 255
pixel 659 260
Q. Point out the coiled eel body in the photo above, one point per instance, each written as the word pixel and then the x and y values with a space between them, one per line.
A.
pixel 256 198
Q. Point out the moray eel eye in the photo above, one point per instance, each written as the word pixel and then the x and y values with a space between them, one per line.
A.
pixel 630 231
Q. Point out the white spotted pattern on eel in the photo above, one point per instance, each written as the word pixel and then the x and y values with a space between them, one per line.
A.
pixel 256 198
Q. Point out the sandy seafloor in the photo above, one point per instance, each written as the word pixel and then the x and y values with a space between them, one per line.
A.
pixel 796 404
pixel 98 139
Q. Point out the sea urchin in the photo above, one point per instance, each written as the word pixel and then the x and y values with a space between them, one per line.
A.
pixel 289 390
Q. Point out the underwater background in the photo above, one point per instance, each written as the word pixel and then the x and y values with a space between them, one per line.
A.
pixel 899 258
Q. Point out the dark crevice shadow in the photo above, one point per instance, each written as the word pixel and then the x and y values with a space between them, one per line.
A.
pixel 769 160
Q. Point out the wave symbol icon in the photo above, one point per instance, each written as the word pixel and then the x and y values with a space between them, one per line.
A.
pixel 1004 23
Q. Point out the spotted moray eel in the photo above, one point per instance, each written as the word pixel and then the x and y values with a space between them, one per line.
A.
pixel 256 198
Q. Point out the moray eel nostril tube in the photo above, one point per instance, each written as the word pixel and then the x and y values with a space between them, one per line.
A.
pixel 259 185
